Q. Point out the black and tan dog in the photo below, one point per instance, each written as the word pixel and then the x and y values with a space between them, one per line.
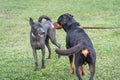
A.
pixel 40 34
pixel 78 43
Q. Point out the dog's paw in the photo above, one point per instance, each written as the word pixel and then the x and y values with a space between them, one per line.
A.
pixel 49 57
pixel 43 67
pixel 56 50
pixel 59 56
pixel 71 71
pixel 36 69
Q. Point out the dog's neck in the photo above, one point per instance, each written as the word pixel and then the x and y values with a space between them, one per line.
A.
pixel 71 21
pixel 73 26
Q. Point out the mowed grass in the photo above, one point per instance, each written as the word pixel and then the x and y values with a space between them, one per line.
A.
pixel 16 60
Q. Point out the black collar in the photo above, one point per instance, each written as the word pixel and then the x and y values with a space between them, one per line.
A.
pixel 74 26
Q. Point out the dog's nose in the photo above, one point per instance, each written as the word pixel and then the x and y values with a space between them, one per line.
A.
pixel 43 32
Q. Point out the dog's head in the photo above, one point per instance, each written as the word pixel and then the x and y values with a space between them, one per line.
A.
pixel 65 21
pixel 36 28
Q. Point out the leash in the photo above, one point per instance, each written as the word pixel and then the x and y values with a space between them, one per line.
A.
pixel 57 26
pixel 83 27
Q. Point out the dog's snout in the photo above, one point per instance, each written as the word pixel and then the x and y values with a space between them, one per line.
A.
pixel 43 32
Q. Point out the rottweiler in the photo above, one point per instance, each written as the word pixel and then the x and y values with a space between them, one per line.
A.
pixel 79 46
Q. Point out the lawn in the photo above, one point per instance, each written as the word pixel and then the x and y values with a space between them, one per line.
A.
pixel 16 58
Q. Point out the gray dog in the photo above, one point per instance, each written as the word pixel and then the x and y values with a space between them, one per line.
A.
pixel 40 34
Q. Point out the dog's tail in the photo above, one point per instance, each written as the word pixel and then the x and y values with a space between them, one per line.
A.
pixel 44 17
pixel 73 50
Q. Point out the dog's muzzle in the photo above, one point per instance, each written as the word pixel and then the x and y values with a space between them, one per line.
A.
pixel 42 34
pixel 57 25
pixel 38 35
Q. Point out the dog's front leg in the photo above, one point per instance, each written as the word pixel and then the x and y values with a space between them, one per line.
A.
pixel 43 57
pixel 35 59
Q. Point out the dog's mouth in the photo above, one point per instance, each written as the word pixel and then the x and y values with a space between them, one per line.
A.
pixel 41 35
pixel 57 25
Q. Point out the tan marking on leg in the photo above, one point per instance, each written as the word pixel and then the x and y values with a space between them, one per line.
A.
pixel 80 69
pixel 72 66
pixel 85 52
pixel 83 69
pixel 91 69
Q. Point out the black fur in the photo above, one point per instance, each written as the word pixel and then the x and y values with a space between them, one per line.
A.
pixel 76 41
pixel 40 34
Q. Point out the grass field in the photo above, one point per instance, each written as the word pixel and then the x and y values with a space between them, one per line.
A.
pixel 16 60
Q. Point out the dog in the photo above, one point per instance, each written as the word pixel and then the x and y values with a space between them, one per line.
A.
pixel 79 46
pixel 40 34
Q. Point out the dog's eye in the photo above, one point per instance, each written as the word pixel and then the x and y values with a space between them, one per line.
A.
pixel 34 27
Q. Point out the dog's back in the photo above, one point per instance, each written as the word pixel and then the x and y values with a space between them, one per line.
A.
pixel 77 36
pixel 47 25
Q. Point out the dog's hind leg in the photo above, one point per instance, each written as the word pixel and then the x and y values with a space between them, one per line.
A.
pixel 53 39
pixel 79 71
pixel 48 46
pixel 92 71
pixel 92 64
pixel 43 57
pixel 83 69
pixel 78 66
pixel 71 59
pixel 35 59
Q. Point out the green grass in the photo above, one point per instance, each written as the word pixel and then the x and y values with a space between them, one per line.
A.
pixel 16 60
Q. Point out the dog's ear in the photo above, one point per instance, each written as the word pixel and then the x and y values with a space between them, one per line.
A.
pixel 31 21
pixel 70 15
pixel 70 19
